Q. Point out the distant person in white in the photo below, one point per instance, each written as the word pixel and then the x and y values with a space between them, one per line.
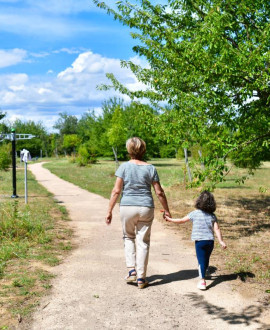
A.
pixel 204 224
pixel 135 179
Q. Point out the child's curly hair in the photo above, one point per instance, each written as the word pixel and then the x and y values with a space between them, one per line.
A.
pixel 206 202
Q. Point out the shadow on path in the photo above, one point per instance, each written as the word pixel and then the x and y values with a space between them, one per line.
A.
pixel 173 277
pixel 248 316
pixel 229 277
pixel 193 273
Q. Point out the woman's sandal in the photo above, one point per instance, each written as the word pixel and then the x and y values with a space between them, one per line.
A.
pixel 132 276
pixel 142 283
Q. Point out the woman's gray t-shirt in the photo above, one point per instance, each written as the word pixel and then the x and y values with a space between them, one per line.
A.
pixel 202 228
pixel 137 182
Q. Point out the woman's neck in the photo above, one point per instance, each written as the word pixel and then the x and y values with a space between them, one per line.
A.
pixel 137 161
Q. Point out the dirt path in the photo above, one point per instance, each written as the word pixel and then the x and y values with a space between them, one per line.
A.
pixel 89 291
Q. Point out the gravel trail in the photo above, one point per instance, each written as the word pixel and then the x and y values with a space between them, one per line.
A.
pixel 89 291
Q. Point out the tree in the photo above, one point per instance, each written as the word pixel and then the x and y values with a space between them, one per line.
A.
pixel 117 133
pixel 71 142
pixel 38 143
pixel 66 124
pixel 209 61
pixel 2 115
pixel 3 126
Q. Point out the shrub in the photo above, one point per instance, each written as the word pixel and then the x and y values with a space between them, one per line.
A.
pixel 167 151
pixel 86 155
pixel 5 157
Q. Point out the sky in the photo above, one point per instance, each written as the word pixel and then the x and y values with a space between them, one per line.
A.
pixel 53 54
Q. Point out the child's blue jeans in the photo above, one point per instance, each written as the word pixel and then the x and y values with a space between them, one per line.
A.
pixel 203 251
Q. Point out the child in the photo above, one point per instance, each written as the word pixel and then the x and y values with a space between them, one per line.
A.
pixel 204 224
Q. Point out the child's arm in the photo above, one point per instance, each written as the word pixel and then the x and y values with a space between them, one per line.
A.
pixel 219 235
pixel 182 220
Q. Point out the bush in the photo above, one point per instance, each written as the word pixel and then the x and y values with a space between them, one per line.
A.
pixel 167 151
pixel 86 155
pixel 5 157
pixel 181 155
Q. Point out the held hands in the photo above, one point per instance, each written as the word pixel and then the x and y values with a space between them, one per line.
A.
pixel 166 215
pixel 167 218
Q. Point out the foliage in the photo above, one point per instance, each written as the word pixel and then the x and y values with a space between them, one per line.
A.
pixel 36 144
pixel 2 115
pixel 66 124
pixel 71 142
pixel 117 132
pixel 5 156
pixel 86 155
pixel 209 61
pixel 167 151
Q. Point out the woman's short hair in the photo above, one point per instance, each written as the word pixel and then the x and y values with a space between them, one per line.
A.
pixel 136 147
pixel 206 202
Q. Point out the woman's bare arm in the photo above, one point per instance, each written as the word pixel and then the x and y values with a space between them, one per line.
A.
pixel 118 186
pixel 162 197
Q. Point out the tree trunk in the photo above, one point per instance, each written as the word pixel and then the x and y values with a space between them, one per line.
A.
pixel 187 166
pixel 200 154
pixel 115 156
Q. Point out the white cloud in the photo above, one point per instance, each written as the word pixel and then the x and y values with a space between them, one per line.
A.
pixel 73 89
pixel 12 57
pixel 68 51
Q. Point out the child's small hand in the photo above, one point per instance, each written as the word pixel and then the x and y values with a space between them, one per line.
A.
pixel 223 245
pixel 167 218
pixel 165 214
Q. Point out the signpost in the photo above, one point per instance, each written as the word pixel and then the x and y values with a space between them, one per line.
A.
pixel 25 156
pixel 13 137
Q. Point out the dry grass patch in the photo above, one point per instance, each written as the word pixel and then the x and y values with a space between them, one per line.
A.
pixel 244 218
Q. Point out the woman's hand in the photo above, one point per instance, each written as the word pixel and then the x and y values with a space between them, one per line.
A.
pixel 108 218
pixel 165 214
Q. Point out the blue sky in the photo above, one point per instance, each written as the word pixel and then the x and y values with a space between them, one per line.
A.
pixel 53 53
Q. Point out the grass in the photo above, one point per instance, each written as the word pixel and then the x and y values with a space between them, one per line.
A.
pixel 243 211
pixel 33 238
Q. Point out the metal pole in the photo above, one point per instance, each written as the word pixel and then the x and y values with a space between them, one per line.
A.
pixel 25 182
pixel 14 164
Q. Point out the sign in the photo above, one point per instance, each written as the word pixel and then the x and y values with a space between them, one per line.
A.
pixel 25 155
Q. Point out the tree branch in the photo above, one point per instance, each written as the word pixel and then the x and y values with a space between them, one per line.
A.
pixel 244 144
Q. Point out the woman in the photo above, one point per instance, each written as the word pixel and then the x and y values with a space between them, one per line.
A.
pixel 134 180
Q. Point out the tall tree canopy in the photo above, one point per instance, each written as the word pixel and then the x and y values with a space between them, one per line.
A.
pixel 66 124
pixel 209 61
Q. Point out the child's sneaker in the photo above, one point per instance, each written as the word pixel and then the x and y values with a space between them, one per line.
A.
pixel 201 285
